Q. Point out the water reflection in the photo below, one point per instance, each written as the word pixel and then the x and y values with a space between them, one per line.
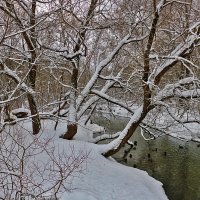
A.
pixel 175 163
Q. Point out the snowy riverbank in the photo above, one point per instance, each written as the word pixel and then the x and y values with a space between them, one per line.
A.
pixel 94 178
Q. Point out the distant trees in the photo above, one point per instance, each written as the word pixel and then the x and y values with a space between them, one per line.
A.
pixel 66 56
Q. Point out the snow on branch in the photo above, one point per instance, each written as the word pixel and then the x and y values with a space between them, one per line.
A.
pixel 15 77
pixel 64 52
pixel 171 59
pixel 17 49
pixel 105 88
pixel 182 120
pixel 112 100
pixel 94 99
pixel 127 39
pixel 11 99
pixel 160 5
pixel 24 30
pixel 105 136
pixel 12 173
pixel 178 90
pixel 189 94
pixel 86 105
pixel 151 36
pixel 142 134
pixel 177 58
pixel 176 1
pixel 100 66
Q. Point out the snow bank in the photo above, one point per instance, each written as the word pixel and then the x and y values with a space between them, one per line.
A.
pixel 18 110
pixel 105 179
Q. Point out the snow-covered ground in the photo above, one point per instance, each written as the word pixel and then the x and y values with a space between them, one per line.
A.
pixel 95 178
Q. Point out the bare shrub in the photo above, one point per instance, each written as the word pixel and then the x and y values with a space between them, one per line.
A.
pixel 36 167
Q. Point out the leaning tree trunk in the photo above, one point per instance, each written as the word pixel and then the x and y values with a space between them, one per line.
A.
pixel 128 131
pixel 123 141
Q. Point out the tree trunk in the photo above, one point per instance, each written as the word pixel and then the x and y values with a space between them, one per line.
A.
pixel 72 117
pixel 36 125
pixel 71 131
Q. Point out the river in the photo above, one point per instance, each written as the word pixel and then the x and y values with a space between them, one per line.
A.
pixel 174 162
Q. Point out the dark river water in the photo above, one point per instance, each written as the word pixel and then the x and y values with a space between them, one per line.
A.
pixel 173 162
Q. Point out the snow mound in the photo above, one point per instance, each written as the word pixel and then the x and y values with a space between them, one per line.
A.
pixel 87 132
